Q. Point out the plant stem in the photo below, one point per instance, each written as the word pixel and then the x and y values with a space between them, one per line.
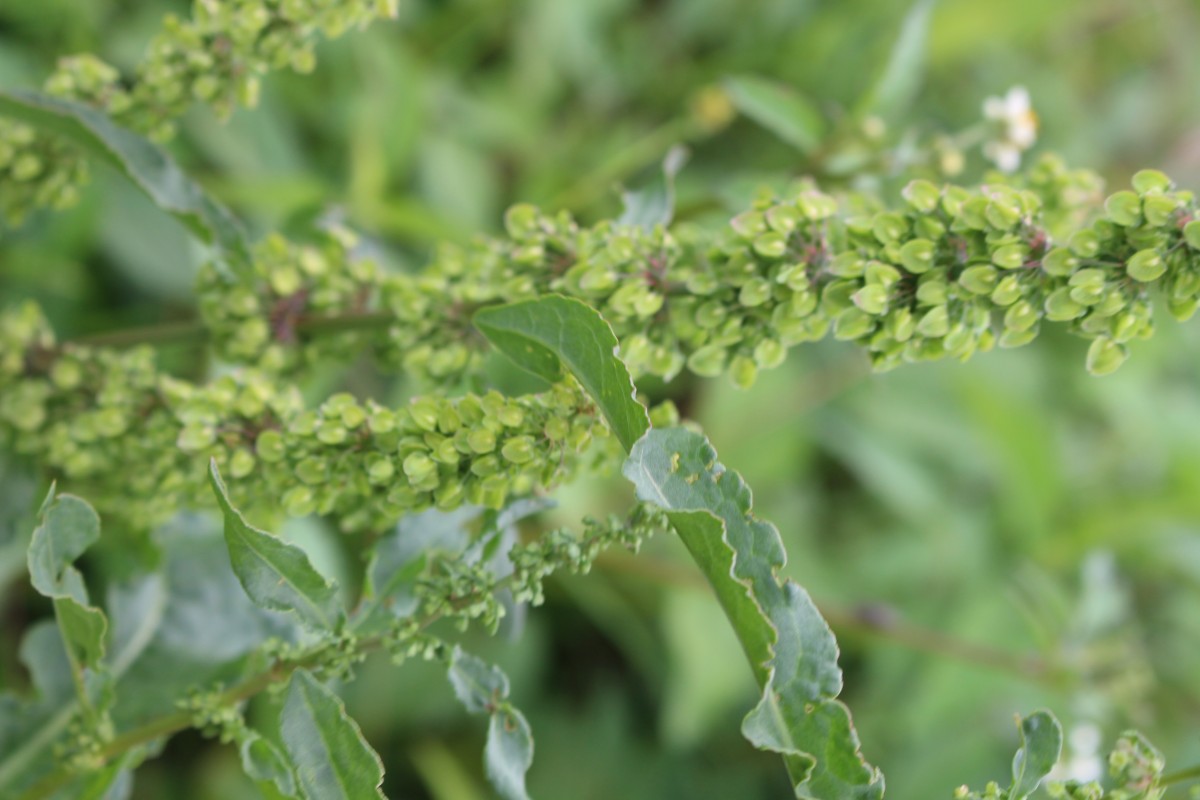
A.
pixel 1180 776
pixel 194 331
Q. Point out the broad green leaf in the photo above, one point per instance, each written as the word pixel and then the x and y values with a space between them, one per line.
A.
pixel 543 335
pixel 68 527
pixel 142 162
pixel 898 82
pixel 325 748
pixel 654 204
pixel 778 108
pixel 483 689
pixel 276 575
pixel 263 762
pixel 790 647
pixel 1041 744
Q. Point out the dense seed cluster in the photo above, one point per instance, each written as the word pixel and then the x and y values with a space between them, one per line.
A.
pixel 951 272
pixel 218 56
pixel 138 442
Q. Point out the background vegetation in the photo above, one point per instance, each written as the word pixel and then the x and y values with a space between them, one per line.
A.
pixel 986 539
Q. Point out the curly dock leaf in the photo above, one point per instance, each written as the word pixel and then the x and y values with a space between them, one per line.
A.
pixel 790 647
pixel 543 335
pixel 144 163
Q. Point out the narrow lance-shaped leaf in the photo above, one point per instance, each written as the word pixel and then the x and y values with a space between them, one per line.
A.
pixel 790 647
pixel 1041 744
pixel 778 108
pixel 276 575
pixel 483 689
pixel 326 750
pixel 69 527
pixel 900 78
pixel 654 204
pixel 145 164
pixel 543 335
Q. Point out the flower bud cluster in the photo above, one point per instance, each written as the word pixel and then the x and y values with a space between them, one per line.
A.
pixel 952 272
pixel 465 592
pixel 138 442
pixel 260 318
pixel 218 56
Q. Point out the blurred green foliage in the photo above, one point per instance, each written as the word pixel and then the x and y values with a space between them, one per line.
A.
pixel 1043 523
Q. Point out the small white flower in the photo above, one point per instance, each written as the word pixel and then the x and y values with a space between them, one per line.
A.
pixel 1017 128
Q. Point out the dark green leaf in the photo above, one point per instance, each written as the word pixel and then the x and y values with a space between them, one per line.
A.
pixel 897 85
pixel 654 204
pixel 69 527
pixel 790 647
pixel 542 335
pixel 276 575
pixel 779 109
pixel 1041 744
pixel 325 748
pixel 142 162
pixel 483 689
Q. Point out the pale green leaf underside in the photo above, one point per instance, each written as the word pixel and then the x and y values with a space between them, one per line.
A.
pixel 69 527
pixel 1041 744
pixel 145 164
pixel 790 647
pixel 543 335
pixel 276 575
pixel 483 689
pixel 327 752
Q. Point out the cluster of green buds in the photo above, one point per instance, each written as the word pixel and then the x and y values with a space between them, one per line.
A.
pixel 265 317
pixel 138 442
pixel 217 56
pixel 464 591
pixel 952 272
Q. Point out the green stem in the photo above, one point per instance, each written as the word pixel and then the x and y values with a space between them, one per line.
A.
pixel 1180 776
pixel 194 331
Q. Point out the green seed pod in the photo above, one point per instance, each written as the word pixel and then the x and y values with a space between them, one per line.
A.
pixel 1020 316
pixel 1061 308
pixel 1159 209
pixel 770 244
pixel 708 361
pixel 1146 266
pixel 783 218
pixel 749 224
pixel 298 501
pixel 519 449
pixel 1059 261
pixel 932 290
pixel 754 292
pixel 935 323
pixel 816 206
pixel 1007 292
pixel 979 279
pixel 743 371
pixel 852 324
pixel 270 446
pixel 1084 243
pixel 1191 232
pixel 481 440
pixel 1125 209
pixel 917 256
pixel 872 298
pixel 425 413
pixel 380 470
pixel 418 467
pixel 889 227
pixel 921 195
pixel 1151 181
pixel 769 353
pixel 1104 356
pixel 1010 256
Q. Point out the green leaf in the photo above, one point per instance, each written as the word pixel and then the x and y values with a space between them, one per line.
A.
pixel 142 162
pixel 263 763
pixel 1041 744
pixel 898 82
pixel 483 689
pixel 790 647
pixel 779 109
pixel 325 748
pixel 542 335
pixel 276 575
pixel 69 526
pixel 654 203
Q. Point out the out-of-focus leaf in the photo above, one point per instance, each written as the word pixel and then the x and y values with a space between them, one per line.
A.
pixel 1041 744
pixel 142 162
pixel 69 527
pixel 543 335
pixel 276 575
pixel 778 108
pixel 327 752
pixel 654 203
pixel 483 689
pixel 898 82
pixel 791 648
